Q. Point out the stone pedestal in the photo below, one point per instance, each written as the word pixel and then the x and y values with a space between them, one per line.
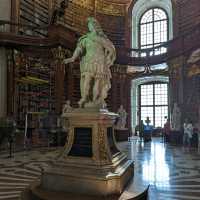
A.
pixel 122 134
pixel 90 162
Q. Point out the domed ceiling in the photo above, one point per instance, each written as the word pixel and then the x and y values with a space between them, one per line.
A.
pixel 108 7
pixel 110 13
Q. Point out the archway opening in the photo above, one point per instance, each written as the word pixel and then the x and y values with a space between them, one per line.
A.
pixel 149 98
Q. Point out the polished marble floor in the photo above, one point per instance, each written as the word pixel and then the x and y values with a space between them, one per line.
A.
pixel 173 173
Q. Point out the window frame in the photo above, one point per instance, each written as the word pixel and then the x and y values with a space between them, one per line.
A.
pixel 154 105
pixel 153 24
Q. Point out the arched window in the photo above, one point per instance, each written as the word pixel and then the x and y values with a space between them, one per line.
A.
pixel 153 30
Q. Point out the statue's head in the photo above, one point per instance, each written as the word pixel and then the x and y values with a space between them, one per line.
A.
pixel 94 25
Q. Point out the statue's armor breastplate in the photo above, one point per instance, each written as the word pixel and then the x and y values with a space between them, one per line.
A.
pixel 93 60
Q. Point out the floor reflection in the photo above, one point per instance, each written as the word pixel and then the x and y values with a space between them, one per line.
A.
pixel 171 172
pixel 155 169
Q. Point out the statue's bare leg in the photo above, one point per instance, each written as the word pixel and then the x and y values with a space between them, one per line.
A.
pixel 81 84
pixel 81 101
pixel 104 92
pixel 85 88
pixel 96 90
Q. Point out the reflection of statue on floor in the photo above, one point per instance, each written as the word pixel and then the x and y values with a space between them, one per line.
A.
pixel 97 55
pixel 121 123
pixel 147 130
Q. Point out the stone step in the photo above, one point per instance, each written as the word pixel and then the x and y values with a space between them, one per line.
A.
pixel 11 179
pixel 11 187
pixel 10 197
pixel 29 172
pixel 10 193
pixel 13 184
pixel 20 175
pixel 34 169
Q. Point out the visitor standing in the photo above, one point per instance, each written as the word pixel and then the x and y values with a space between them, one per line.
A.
pixel 166 131
pixel 141 129
pixel 188 132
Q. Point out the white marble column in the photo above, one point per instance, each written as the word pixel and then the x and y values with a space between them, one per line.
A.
pixel 5 14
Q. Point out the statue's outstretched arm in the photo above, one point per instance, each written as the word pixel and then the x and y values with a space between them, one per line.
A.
pixel 76 54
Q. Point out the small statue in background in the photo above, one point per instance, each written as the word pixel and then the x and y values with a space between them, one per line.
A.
pixel 121 123
pixel 67 107
pixel 176 118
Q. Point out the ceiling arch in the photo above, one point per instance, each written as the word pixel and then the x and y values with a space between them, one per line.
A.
pixel 140 6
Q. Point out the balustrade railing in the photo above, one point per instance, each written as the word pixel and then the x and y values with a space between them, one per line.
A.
pixel 178 45
pixel 148 52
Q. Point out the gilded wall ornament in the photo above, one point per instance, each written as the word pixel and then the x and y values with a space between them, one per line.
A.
pixel 103 155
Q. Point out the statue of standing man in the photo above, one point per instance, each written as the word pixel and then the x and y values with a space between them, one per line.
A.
pixel 176 118
pixel 121 123
pixel 97 54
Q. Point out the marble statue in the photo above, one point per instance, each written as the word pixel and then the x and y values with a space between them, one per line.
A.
pixel 121 123
pixel 82 166
pixel 194 57
pixel 176 118
pixel 97 54
pixel 67 107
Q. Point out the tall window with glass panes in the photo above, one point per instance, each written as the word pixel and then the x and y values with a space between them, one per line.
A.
pixel 153 98
pixel 153 30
